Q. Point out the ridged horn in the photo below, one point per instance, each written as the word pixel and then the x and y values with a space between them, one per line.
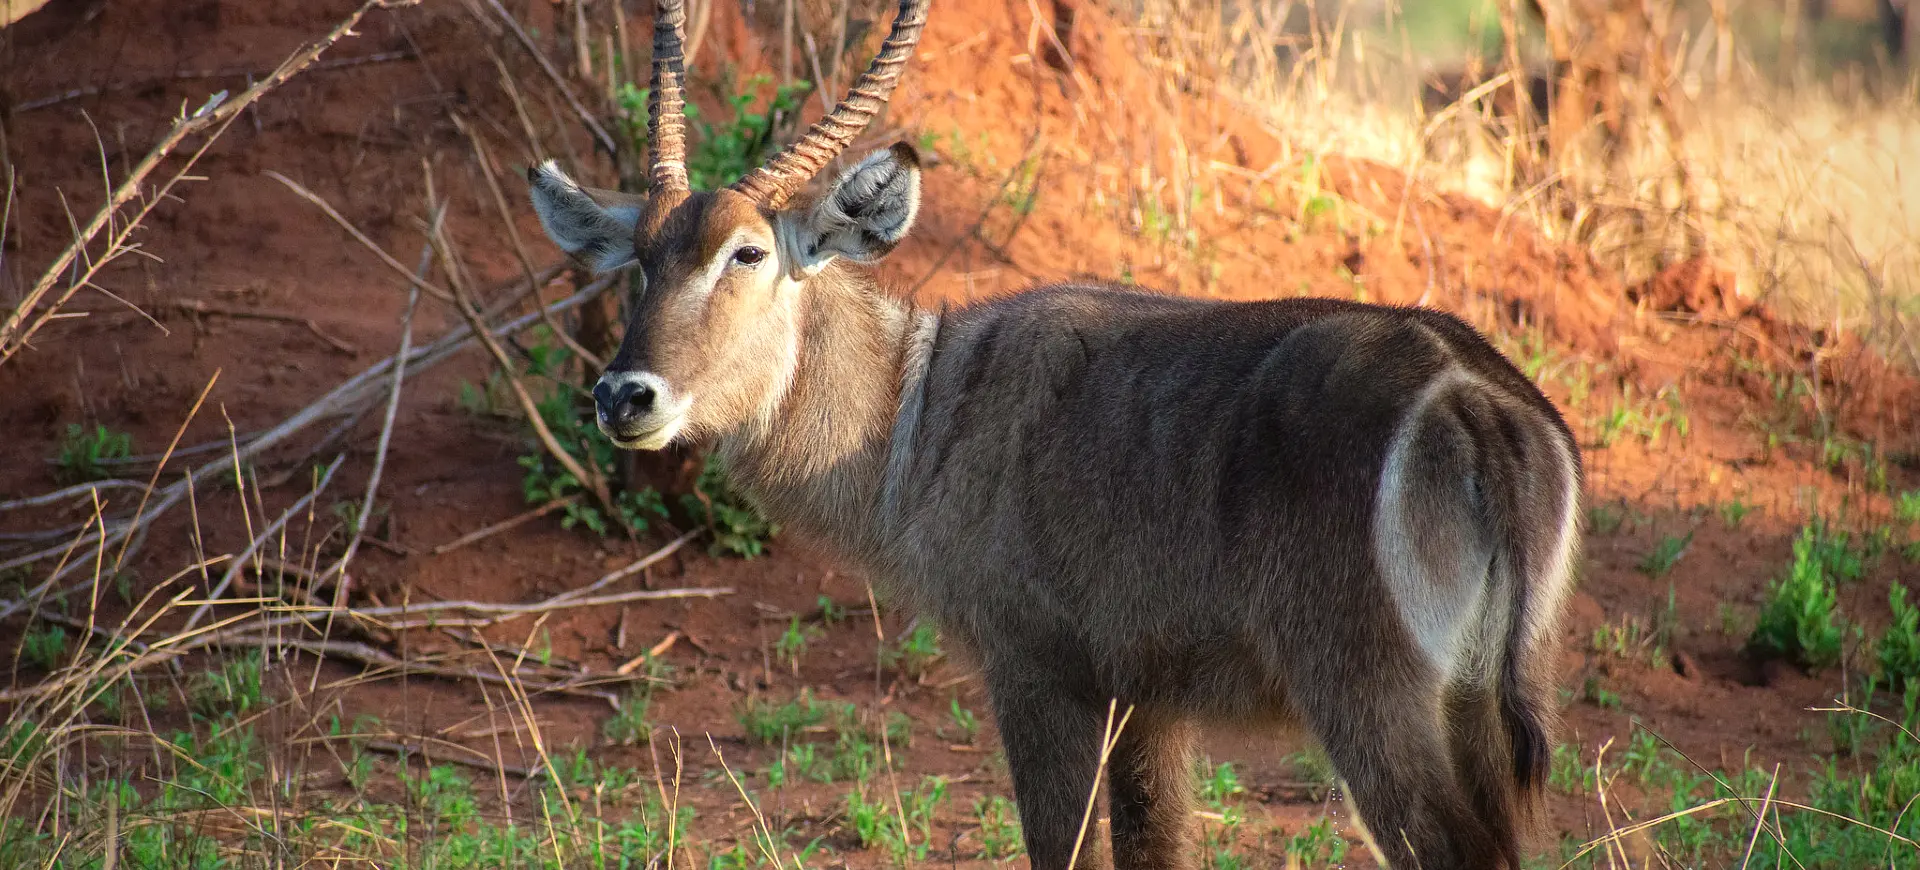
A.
pixel 791 169
pixel 666 98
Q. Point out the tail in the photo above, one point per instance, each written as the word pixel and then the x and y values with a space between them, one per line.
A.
pixel 1503 728
pixel 1538 526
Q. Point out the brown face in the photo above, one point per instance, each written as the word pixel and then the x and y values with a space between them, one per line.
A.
pixel 714 335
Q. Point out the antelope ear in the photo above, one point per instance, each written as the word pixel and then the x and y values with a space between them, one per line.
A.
pixel 595 226
pixel 866 214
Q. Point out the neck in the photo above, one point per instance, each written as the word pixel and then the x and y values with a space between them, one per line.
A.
pixel 816 464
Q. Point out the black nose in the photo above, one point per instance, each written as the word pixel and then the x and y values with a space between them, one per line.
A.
pixel 623 402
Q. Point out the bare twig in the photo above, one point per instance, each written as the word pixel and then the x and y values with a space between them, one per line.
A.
pixel 58 496
pixel 213 117
pixel 413 280
pixel 636 567
pixel 588 477
pixel 509 523
pixel 559 83
pixel 519 248
pixel 201 306
pixel 393 395
pixel 350 394
pixel 250 75
pixel 473 757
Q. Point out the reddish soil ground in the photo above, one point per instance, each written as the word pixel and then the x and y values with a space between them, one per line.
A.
pixel 307 308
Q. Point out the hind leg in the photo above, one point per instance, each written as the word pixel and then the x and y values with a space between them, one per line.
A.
pixel 1150 795
pixel 1483 758
pixel 1402 780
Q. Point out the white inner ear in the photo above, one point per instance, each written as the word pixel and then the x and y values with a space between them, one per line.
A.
pixel 869 210
pixel 601 237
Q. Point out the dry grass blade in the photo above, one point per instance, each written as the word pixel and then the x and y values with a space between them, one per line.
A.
pixel 245 556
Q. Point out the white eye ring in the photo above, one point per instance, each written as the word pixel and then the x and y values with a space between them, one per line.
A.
pixel 749 256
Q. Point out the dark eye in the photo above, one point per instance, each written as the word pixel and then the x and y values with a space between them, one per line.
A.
pixel 749 256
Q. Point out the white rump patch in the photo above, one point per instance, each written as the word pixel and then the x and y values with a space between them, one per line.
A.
pixel 1437 589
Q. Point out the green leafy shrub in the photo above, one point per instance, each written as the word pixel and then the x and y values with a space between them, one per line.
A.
pixel 1800 620
pixel 737 526
pixel 1900 646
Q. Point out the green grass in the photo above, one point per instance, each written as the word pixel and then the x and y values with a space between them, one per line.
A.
pixel 1665 555
pixel 904 830
pixel 82 451
pixel 772 723
pixel 792 644
pixel 44 647
pixel 998 828
pixel 1645 417
pixel 1829 811
pixel 916 654
pixel 567 410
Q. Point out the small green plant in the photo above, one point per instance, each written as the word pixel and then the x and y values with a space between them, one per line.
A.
pixel 1735 512
pixel 770 723
pixel 1899 651
pixel 964 719
pixel 1317 845
pixel 1315 202
pixel 564 409
pixel 1665 554
pixel 348 513
pixel 792 643
pixel 1605 519
pixel 628 725
pixel 1569 773
pixel 877 822
pixel 1312 767
pixel 82 452
pixel 831 612
pixel 737 526
pixel 916 653
pixel 1596 693
pixel 1800 620
pixel 236 687
pixel 999 828
pixel 1906 507
pixel 44 646
pixel 1218 784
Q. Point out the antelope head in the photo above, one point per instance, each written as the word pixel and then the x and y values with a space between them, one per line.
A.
pixel 715 336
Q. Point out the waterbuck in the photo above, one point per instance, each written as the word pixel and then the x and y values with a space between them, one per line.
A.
pixel 1352 518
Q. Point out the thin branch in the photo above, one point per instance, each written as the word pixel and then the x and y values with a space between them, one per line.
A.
pixel 70 492
pixel 193 75
pixel 636 567
pixel 546 66
pixel 349 394
pixel 393 395
pixel 590 479
pixel 413 280
pixel 509 523
pixel 214 117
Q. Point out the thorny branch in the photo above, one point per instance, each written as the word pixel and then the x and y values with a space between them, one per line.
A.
pixel 213 117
